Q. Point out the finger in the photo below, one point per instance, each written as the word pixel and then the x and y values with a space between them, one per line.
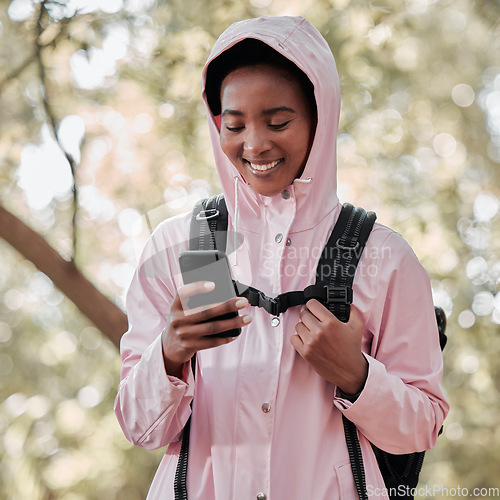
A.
pixel 207 313
pixel 216 326
pixel 318 310
pixel 297 343
pixel 309 319
pixel 185 292
pixel 302 330
pixel 193 332
pixel 356 322
pixel 355 315
pixel 323 314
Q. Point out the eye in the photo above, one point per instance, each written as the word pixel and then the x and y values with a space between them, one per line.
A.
pixel 279 126
pixel 234 129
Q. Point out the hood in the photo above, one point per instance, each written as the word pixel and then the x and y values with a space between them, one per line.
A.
pixel 316 191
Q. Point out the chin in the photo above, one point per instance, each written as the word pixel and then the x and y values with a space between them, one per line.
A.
pixel 267 192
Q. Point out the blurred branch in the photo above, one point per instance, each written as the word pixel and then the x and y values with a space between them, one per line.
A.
pixel 16 71
pixel 106 315
pixel 51 116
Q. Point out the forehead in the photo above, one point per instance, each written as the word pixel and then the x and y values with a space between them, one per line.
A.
pixel 262 82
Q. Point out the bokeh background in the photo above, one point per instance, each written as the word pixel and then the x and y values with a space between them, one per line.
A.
pixel 103 133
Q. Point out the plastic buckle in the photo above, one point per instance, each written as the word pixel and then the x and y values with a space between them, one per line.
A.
pixel 207 214
pixel 349 248
pixel 269 304
pixel 338 295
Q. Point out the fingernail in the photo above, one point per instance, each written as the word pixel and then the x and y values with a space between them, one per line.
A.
pixel 209 285
pixel 247 319
pixel 241 303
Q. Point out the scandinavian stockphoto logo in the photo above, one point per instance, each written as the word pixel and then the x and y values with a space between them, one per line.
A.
pixel 302 262
pixel 325 261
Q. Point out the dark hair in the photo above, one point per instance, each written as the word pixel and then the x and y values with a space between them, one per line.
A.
pixel 251 52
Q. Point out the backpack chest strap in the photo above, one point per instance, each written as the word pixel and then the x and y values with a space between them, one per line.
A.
pixel 325 294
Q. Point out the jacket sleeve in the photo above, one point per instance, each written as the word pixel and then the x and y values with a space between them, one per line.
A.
pixel 402 405
pixel 151 406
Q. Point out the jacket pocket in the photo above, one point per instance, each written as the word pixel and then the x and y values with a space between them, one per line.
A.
pixel 345 481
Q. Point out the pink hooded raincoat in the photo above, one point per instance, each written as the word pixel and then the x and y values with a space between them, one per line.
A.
pixel 264 422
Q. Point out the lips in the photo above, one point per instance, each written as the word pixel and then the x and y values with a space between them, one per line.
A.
pixel 262 167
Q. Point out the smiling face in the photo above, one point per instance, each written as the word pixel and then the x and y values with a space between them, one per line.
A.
pixel 267 126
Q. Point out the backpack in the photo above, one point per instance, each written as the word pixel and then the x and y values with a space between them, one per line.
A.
pixel 333 289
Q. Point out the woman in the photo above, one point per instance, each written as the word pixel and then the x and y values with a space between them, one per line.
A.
pixel 268 405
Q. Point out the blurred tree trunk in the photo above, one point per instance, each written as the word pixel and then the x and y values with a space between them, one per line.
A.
pixel 65 275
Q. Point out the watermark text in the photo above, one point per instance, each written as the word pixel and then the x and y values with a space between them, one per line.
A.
pixel 432 491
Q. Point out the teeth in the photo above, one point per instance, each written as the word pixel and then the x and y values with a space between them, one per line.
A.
pixel 263 167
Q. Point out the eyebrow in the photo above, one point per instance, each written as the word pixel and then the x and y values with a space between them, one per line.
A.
pixel 270 111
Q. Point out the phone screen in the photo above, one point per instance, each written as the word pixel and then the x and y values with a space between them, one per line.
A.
pixel 209 265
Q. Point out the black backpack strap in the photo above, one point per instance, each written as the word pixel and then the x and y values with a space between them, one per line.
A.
pixel 279 304
pixel 207 231
pixel 355 457
pixel 400 472
pixel 337 267
pixel 209 220
pixel 180 479
pixel 341 255
pixel 441 322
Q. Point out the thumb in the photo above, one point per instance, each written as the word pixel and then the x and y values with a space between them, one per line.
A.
pixel 356 322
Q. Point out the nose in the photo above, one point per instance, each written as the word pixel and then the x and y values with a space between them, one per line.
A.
pixel 256 141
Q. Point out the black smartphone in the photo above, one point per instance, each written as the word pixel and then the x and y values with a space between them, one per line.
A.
pixel 209 265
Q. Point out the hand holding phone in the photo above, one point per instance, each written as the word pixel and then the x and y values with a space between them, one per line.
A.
pixel 186 334
pixel 209 265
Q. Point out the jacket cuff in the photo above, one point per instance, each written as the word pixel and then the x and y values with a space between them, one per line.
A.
pixel 186 370
pixel 350 397
pixel 344 401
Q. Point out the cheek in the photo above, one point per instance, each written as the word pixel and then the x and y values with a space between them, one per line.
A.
pixel 299 144
pixel 228 146
pixel 305 142
pixel 223 142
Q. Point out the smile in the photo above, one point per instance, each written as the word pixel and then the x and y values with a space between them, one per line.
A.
pixel 262 167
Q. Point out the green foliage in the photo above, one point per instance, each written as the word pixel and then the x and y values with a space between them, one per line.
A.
pixel 419 143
